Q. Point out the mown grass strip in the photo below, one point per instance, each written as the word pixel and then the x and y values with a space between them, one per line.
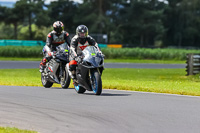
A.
pixel 171 81
pixel 21 51
pixel 110 53
pixel 147 53
pixel 143 61
pixel 14 130
pixel 19 59
pixel 106 60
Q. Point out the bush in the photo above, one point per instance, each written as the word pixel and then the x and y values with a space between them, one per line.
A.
pixel 21 51
pixel 147 53
pixel 110 53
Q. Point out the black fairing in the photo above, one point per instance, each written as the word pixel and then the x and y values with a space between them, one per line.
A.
pixel 61 58
pixel 83 77
pixel 61 54
pixel 84 69
pixel 93 61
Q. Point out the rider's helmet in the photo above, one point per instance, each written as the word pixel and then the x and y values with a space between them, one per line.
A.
pixel 82 31
pixel 58 27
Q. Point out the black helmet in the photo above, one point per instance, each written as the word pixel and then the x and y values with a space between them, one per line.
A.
pixel 82 29
pixel 58 27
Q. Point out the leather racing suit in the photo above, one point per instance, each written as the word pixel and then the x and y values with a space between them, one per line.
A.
pixel 77 46
pixel 53 40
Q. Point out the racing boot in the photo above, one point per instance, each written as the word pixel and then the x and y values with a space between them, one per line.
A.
pixel 73 76
pixel 42 65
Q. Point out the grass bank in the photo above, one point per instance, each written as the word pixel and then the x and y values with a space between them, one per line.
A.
pixel 148 53
pixel 14 130
pixel 110 53
pixel 19 59
pixel 171 81
pixel 144 61
pixel 106 60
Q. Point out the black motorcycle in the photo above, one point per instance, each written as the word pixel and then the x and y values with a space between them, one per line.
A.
pixel 89 71
pixel 56 69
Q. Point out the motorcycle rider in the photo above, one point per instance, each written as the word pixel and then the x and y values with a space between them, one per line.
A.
pixel 78 43
pixel 54 38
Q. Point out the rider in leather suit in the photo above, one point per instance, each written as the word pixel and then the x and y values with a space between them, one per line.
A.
pixel 54 38
pixel 78 43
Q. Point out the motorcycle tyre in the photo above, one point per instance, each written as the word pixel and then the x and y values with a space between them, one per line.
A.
pixel 97 77
pixel 67 82
pixel 46 84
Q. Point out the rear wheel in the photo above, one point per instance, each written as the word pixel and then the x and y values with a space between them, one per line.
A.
pixel 45 82
pixel 96 82
pixel 65 80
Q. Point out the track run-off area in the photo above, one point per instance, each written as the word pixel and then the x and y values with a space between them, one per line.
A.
pixel 55 110
pixel 35 64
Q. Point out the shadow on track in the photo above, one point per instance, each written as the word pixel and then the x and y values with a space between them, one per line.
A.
pixel 108 94
pixel 103 94
pixel 60 88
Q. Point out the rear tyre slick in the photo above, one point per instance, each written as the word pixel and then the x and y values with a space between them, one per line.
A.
pixel 65 82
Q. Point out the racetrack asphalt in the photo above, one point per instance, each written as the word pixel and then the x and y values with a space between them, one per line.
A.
pixel 35 64
pixel 55 110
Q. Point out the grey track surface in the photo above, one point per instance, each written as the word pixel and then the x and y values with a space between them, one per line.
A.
pixel 54 110
pixel 35 64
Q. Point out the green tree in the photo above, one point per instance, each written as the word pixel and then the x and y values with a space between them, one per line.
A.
pixel 30 9
pixel 13 17
pixel 2 13
pixel 63 10
pixel 182 23
pixel 140 21
pixel 97 15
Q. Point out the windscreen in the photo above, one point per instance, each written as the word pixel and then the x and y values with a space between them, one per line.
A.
pixel 90 51
pixel 63 47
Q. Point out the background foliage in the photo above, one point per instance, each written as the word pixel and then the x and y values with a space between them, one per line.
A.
pixel 110 53
pixel 144 23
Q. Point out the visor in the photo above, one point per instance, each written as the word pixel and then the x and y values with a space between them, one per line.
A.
pixel 82 35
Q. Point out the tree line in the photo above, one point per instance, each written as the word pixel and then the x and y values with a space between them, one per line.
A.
pixel 143 23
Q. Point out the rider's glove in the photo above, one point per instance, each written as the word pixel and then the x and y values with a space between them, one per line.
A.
pixel 101 54
pixel 78 59
pixel 50 54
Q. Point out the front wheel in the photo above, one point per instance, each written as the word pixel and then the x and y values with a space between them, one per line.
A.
pixel 45 82
pixel 96 82
pixel 65 80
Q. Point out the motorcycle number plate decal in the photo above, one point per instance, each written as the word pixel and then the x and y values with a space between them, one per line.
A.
pixel 93 54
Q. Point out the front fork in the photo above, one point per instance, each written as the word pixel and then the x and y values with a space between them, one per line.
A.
pixel 67 69
pixel 61 70
pixel 91 70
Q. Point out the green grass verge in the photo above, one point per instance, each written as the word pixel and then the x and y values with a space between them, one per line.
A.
pixel 147 53
pixel 143 61
pixel 171 81
pixel 14 130
pixel 110 53
pixel 19 59
pixel 106 60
